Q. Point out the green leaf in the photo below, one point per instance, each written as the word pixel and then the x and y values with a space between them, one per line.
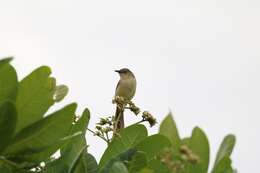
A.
pixel 5 61
pixel 125 156
pixel 185 141
pixel 226 148
pixel 153 145
pixel 35 96
pixel 223 161
pixel 223 166
pixel 8 82
pixel 199 145
pixel 86 164
pixel 44 155
pixel 82 123
pixel 7 123
pixel 92 166
pixel 158 167
pixel 138 162
pixel 60 92
pixel 118 167
pixel 73 151
pixel 43 133
pixel 80 126
pixel 146 170
pixel 69 158
pixel 82 164
pixel 7 166
pixel 168 128
pixel 126 139
pixel 77 129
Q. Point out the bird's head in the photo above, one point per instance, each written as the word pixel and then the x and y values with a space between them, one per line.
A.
pixel 124 73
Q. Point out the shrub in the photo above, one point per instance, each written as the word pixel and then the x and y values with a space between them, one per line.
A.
pixel 29 138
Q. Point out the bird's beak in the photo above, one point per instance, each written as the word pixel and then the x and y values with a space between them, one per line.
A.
pixel 117 71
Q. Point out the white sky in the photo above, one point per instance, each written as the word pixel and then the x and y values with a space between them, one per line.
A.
pixel 199 58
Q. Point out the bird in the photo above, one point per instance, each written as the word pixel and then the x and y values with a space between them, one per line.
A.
pixel 126 88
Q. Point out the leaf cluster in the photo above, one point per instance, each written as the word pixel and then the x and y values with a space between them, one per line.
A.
pixel 29 137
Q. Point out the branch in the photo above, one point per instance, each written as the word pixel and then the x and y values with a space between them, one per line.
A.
pixel 102 137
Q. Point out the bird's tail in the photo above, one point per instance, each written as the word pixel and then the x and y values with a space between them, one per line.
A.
pixel 119 117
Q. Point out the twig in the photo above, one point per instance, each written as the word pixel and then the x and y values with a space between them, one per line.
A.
pixel 107 141
pixel 117 120
pixel 139 122
pixel 107 137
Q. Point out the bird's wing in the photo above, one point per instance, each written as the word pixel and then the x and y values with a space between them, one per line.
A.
pixel 117 85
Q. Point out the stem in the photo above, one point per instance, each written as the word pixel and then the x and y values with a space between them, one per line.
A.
pixel 139 122
pixel 102 137
pixel 107 137
pixel 116 121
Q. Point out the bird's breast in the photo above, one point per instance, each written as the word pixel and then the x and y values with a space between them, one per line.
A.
pixel 126 88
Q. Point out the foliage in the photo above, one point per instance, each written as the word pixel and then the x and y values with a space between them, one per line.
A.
pixel 30 136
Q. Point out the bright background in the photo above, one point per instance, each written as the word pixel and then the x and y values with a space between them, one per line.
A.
pixel 200 59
